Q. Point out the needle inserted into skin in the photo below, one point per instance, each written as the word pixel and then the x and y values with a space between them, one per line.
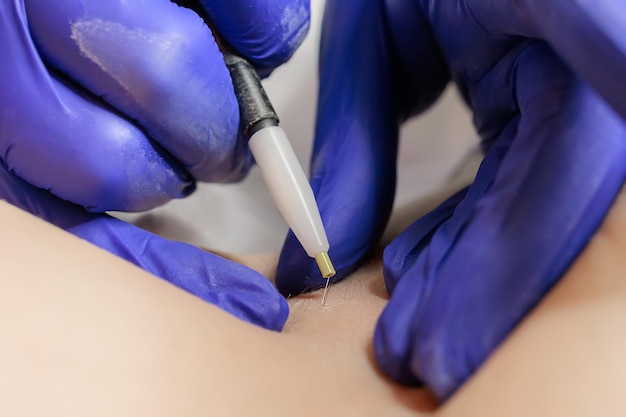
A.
pixel 327 269
pixel 325 291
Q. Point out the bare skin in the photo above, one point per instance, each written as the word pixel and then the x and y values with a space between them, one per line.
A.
pixel 85 333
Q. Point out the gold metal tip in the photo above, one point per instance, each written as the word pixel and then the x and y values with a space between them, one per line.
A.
pixel 325 265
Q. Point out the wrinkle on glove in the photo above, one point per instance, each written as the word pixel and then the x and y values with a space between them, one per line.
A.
pixel 123 105
pixel 234 288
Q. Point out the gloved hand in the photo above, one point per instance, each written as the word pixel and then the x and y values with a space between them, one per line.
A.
pixel 230 286
pixel 117 105
pixel 123 105
pixel 544 81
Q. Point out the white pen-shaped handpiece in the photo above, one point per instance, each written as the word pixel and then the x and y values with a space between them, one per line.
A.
pixel 278 163
pixel 290 188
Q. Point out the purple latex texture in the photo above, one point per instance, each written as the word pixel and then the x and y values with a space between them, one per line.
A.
pixel 234 288
pixel 544 81
pixel 124 105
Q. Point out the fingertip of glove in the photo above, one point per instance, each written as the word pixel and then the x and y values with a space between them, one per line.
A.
pixel 409 351
pixel 188 188
pixel 298 273
pixel 392 357
pixel 247 295
pixel 270 312
pixel 278 314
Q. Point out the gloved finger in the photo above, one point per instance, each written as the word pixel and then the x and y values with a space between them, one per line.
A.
pixel 411 266
pixel 230 286
pixel 353 166
pixel 267 32
pixel 588 36
pixel 365 91
pixel 58 138
pixel 159 65
pixel 541 193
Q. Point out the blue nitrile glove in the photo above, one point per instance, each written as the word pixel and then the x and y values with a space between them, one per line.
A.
pixel 545 81
pixel 232 287
pixel 123 105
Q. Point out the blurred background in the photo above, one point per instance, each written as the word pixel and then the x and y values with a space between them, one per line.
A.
pixel 438 154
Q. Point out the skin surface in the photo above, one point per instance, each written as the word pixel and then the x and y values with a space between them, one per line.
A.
pixel 86 333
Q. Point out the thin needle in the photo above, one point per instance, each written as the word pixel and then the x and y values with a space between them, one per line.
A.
pixel 325 291
pixel 327 269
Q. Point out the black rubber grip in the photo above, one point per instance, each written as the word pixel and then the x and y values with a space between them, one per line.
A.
pixel 255 109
